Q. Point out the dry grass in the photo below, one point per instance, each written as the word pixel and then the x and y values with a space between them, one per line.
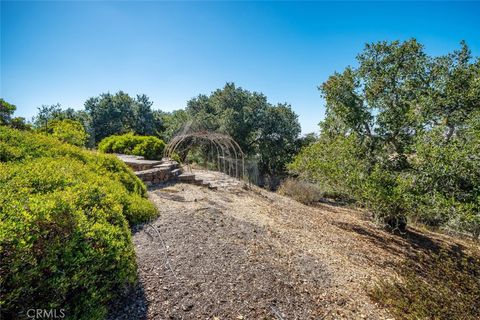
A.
pixel 301 191
pixel 443 285
pixel 436 280
pixel 242 252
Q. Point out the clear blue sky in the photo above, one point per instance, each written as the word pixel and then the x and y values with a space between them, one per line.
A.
pixel 66 52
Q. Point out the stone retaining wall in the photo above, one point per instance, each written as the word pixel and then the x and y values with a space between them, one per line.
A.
pixel 157 175
pixel 152 171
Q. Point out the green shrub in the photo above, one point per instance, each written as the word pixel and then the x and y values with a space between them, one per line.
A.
pixel 150 148
pixel 438 184
pixel 146 146
pixel 334 164
pixel 175 156
pixel 65 240
pixel 69 131
pixel 119 144
pixel 383 193
pixel 445 183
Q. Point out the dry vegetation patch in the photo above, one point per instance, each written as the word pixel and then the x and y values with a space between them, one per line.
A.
pixel 301 191
pixel 443 285
pixel 246 252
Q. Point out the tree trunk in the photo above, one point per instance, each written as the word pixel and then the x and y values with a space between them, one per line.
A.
pixel 450 131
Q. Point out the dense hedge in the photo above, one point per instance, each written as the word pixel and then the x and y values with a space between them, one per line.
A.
pixel 65 241
pixel 147 146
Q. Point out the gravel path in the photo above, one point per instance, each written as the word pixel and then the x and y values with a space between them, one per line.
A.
pixel 234 253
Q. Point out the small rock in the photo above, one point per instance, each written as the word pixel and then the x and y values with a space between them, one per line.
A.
pixel 187 307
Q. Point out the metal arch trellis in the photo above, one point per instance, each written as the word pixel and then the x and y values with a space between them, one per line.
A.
pixel 228 150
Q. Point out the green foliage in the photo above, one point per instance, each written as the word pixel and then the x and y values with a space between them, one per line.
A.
pixel 306 140
pixel 277 140
pixel 150 148
pixel 401 136
pixel 434 286
pixel 65 123
pixel 146 146
pixel 118 114
pixel 6 112
pixel 444 184
pixel 265 132
pixel 64 235
pixel 346 110
pixel 268 134
pixel 105 115
pixel 69 131
pixel 335 164
pixel 47 113
pixel 20 123
pixel 455 89
pixel 383 193
pixel 393 77
pixel 169 123
pixel 174 156
pixel 143 122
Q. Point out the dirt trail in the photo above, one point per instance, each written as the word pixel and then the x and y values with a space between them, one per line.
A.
pixel 234 253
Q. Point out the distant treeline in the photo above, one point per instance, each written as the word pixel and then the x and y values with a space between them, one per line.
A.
pixel 268 134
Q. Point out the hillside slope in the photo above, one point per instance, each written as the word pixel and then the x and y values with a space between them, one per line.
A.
pixel 252 254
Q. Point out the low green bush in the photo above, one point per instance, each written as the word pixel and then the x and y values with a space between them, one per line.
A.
pixel 69 131
pixel 148 147
pixel 383 192
pixel 335 164
pixel 65 241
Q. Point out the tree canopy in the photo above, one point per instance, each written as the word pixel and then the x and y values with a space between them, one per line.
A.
pixel 6 116
pixel 119 113
pixel 401 135
pixel 265 132
pixel 6 112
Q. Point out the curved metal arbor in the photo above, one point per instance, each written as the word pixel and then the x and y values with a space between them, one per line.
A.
pixel 229 154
